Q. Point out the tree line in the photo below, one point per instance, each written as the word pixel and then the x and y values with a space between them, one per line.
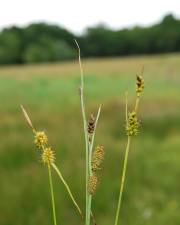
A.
pixel 49 43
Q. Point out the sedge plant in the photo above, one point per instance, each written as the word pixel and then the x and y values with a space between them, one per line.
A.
pixel 132 126
pixel 94 155
pixel 48 158
pixel 93 158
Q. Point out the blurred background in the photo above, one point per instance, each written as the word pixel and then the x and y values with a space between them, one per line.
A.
pixel 39 69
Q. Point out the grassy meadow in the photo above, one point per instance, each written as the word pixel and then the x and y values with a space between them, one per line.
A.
pixel 49 92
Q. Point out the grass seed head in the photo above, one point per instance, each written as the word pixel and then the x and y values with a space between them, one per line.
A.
pixel 92 184
pixel 139 85
pixel 97 157
pixel 40 139
pixel 91 124
pixel 48 156
pixel 132 124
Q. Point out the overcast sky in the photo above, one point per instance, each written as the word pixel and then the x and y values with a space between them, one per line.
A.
pixel 76 15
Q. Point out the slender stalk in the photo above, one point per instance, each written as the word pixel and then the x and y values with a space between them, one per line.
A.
pixel 85 129
pixel 137 104
pixel 67 188
pixel 91 144
pixel 52 194
pixel 122 180
pixel 126 109
pixel 124 167
pixel 125 163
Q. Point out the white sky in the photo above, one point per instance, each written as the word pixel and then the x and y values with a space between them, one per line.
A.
pixel 76 15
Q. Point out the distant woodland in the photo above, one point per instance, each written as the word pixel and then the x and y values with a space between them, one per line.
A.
pixel 49 43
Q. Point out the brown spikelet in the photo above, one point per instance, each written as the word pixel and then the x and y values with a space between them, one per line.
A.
pixel 92 184
pixel 139 84
pixel 97 158
pixel 91 124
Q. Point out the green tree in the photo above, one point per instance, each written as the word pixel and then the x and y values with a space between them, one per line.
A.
pixel 11 45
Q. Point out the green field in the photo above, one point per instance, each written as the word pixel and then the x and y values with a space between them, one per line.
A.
pixel 50 95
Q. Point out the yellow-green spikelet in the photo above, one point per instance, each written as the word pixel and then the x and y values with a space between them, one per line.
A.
pixel 97 158
pixel 132 124
pixel 92 184
pixel 40 138
pixel 48 156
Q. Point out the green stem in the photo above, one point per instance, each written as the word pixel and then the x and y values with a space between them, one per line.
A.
pixel 125 161
pixel 122 180
pixel 85 127
pixel 87 149
pixel 91 144
pixel 52 194
pixel 137 104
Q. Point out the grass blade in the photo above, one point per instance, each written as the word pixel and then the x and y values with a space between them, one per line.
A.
pixel 67 188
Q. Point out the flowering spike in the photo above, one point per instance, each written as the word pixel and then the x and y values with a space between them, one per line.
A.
pixel 97 158
pixel 92 184
pixel 40 139
pixel 139 84
pixel 48 156
pixel 91 124
pixel 132 124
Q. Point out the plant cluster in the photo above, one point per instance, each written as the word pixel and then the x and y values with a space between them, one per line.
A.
pixel 94 155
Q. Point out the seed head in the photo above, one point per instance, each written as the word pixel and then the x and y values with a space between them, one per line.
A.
pixel 92 184
pixel 40 138
pixel 132 124
pixel 97 158
pixel 48 156
pixel 139 84
pixel 91 124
